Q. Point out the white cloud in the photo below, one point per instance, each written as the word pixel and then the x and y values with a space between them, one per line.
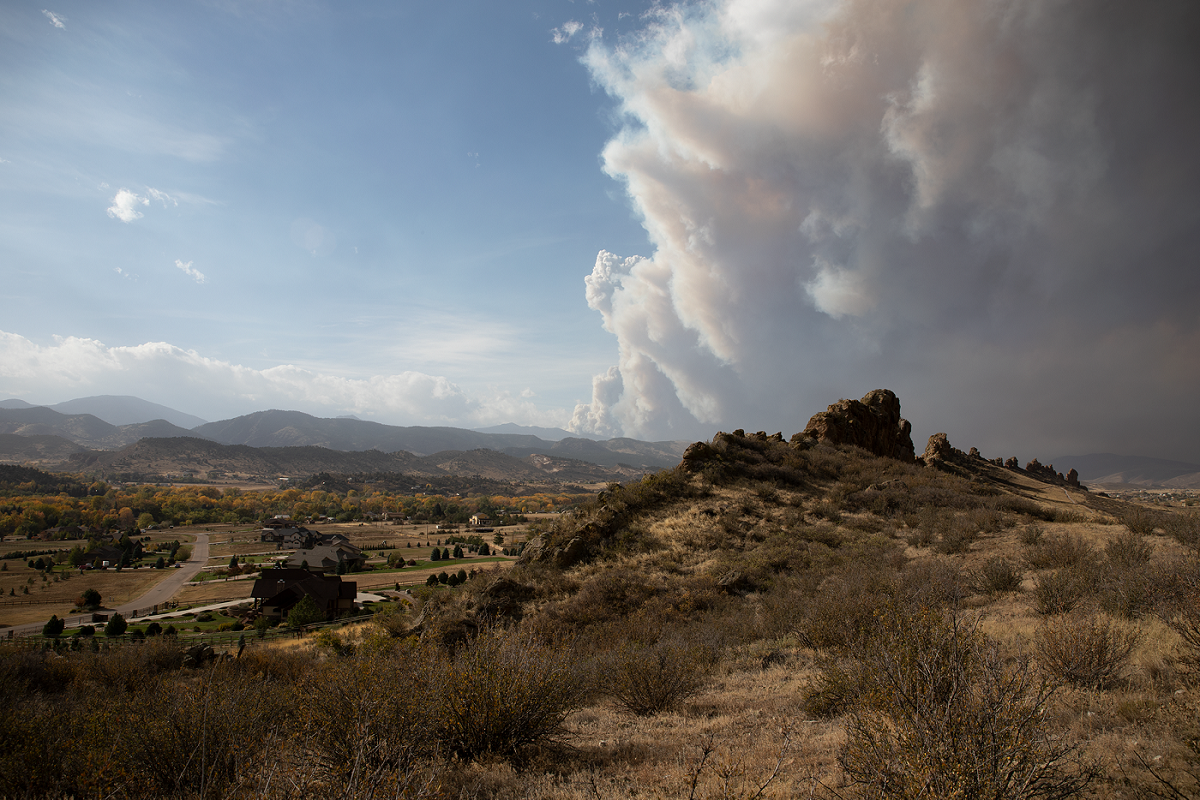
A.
pixel 162 197
pixel 563 34
pixel 216 389
pixel 57 20
pixel 195 274
pixel 124 206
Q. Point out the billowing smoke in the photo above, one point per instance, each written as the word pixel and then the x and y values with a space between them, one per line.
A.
pixel 991 208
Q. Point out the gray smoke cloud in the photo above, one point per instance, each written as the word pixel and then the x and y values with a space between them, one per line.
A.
pixel 991 208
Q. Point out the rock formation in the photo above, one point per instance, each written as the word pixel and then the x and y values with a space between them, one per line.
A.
pixel 873 423
pixel 938 451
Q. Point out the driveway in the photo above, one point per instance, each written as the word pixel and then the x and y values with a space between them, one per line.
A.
pixel 161 593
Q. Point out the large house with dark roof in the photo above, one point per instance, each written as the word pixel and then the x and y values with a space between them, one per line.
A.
pixel 278 590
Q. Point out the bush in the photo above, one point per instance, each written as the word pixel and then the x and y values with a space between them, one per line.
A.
pixel 1128 550
pixel 1060 591
pixel 1058 551
pixel 89 599
pixel 1087 651
pixel 940 714
pixel 53 627
pixel 649 679
pixel 304 613
pixel 1141 521
pixel 116 625
pixel 998 575
pixel 501 691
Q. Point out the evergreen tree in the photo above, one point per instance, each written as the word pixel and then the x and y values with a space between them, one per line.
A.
pixel 116 625
pixel 53 627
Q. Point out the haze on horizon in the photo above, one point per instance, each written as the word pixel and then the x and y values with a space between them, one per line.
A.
pixel 640 218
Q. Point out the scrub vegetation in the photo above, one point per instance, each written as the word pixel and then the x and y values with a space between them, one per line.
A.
pixel 772 620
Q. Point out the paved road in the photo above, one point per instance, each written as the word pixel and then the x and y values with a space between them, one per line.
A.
pixel 162 592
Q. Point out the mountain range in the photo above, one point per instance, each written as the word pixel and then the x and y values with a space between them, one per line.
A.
pixel 103 425
pixel 42 435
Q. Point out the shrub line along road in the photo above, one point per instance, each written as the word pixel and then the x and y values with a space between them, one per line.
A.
pixel 162 592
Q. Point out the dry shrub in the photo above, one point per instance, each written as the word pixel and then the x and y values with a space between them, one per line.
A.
pixel 998 575
pixel 369 709
pixel 843 610
pixel 1060 591
pixel 204 737
pixel 500 692
pixel 1128 550
pixel 931 583
pixel 1180 609
pixel 1141 520
pixel 941 714
pixel 1183 528
pixel 1058 551
pixel 647 679
pixel 1089 651
pixel 1031 534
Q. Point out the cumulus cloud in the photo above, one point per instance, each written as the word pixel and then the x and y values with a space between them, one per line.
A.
pixel 125 204
pixel 563 33
pixel 187 269
pixel 57 20
pixel 850 194
pixel 216 389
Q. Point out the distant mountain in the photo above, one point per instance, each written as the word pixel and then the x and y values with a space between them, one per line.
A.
pixel 1137 470
pixel 125 410
pixel 15 403
pixel 549 434
pixel 295 428
pixel 181 457
pixel 85 430
pixel 38 449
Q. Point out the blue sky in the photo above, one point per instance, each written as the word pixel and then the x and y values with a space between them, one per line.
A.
pixel 645 219
pixel 357 190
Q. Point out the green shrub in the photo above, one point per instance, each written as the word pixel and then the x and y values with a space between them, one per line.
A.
pixel 116 625
pixel 1088 651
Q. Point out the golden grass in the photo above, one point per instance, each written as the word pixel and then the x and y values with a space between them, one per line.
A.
pixel 58 597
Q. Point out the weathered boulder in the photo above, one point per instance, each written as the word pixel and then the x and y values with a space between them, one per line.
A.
pixel 938 450
pixel 873 423
pixel 697 455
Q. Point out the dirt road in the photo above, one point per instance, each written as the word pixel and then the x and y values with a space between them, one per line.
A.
pixel 162 592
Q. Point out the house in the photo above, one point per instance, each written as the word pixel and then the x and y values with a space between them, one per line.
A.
pixel 337 558
pixel 106 554
pixel 278 590
pixel 480 521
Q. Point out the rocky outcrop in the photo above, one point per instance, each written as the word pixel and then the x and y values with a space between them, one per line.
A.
pixel 873 423
pixel 938 450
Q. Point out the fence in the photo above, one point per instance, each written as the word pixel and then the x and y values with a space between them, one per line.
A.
pixel 218 639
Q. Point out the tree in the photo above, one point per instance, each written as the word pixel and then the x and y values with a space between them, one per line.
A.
pixel 435 554
pixel 53 627
pixel 458 551
pixel 116 625
pixel 304 613
pixel 145 520
pixel 89 599
pixel 484 550
pixel 431 580
pixel 160 564
pixel 153 629
pixel 233 561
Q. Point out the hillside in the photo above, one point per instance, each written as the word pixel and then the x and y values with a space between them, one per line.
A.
pixel 1113 469
pixel 830 615
pixel 85 430
pixel 189 458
